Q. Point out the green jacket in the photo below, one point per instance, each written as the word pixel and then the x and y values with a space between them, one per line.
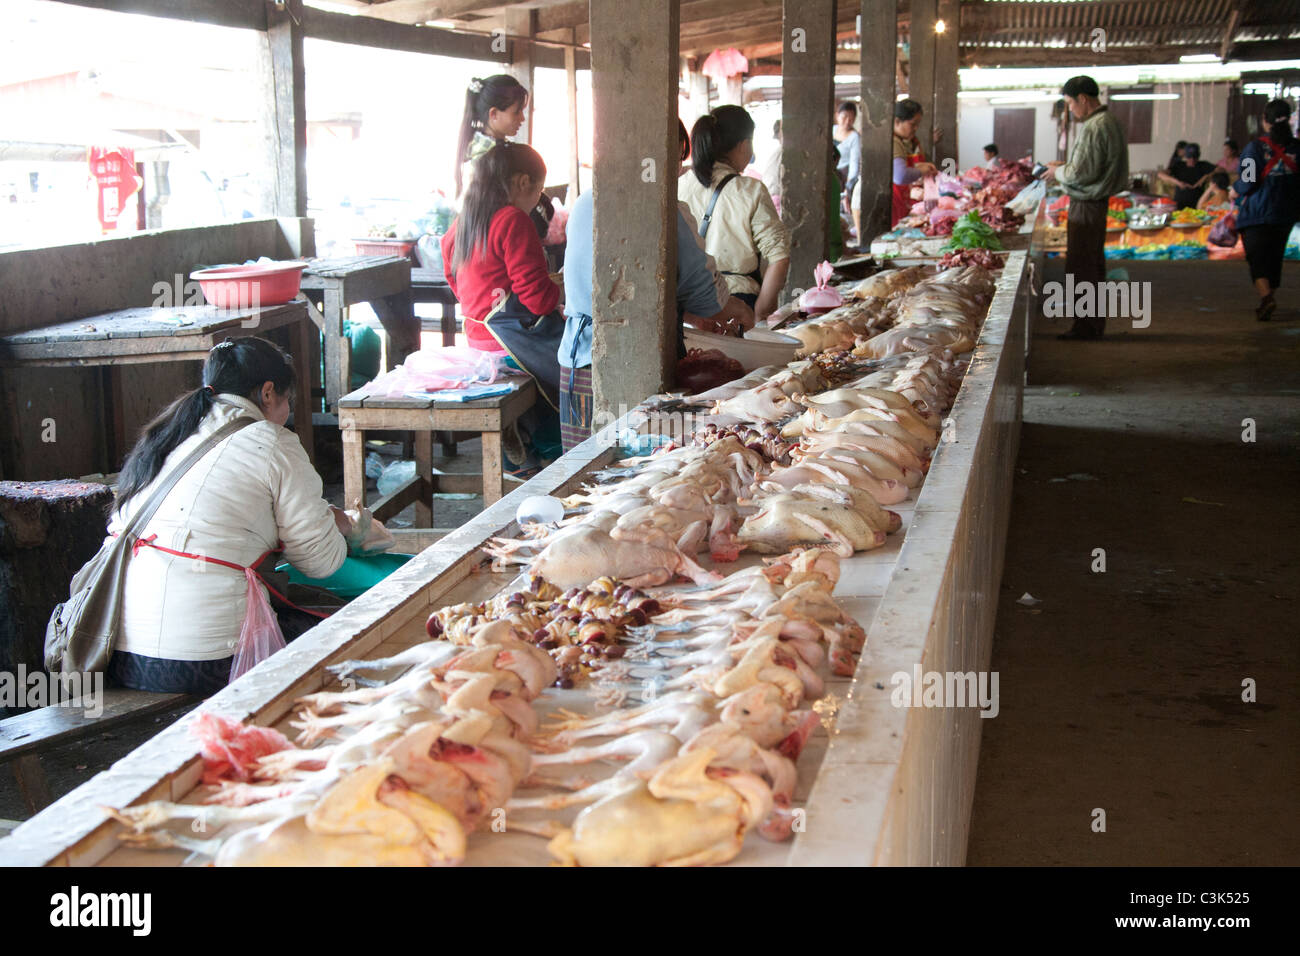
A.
pixel 1098 166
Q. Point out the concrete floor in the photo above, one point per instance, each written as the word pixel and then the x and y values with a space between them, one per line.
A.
pixel 1123 690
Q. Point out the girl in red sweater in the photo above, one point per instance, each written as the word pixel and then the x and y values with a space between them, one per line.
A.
pixel 497 267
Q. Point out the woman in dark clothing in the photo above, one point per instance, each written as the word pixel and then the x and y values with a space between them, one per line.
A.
pixel 1267 194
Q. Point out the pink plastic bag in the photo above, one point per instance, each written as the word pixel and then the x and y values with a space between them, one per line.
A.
pixel 431 370
pixel 260 637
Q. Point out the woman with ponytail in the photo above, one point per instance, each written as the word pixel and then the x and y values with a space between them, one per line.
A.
pixel 254 493
pixel 1267 194
pixel 736 215
pixel 494 112
pixel 497 268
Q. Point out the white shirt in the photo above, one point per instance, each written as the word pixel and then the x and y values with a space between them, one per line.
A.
pixel 745 225
pixel 253 490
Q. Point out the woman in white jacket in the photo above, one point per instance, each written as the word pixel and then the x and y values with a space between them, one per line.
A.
pixel 252 494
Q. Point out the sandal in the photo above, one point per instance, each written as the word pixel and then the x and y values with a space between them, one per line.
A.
pixel 1267 306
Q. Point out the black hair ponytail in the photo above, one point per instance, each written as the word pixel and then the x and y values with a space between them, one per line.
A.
pixel 499 92
pixel 715 134
pixel 236 367
pixel 489 191
pixel 1277 117
pixel 905 110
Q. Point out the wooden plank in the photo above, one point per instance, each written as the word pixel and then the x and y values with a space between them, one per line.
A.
pixel 946 82
pixel 354 474
pixel 372 32
pixel 249 14
pixel 301 335
pixel 48 727
pixel 571 101
pixel 33 786
pixel 392 504
pixel 336 382
pixel 920 72
pixel 493 468
pixel 522 22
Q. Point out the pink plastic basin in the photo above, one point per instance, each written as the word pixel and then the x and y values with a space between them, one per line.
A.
pixel 240 287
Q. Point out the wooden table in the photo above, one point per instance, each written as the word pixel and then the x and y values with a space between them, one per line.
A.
pixel 430 285
pixel 382 281
pixel 359 413
pixel 139 336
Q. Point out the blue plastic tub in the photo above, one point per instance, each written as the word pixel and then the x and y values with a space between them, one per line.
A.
pixel 355 577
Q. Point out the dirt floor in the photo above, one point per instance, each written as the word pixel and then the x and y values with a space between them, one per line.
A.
pixel 1123 690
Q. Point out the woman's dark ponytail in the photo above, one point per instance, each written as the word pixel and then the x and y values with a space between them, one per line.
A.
pixel 488 192
pixel 500 92
pixel 235 367
pixel 1277 117
pixel 714 135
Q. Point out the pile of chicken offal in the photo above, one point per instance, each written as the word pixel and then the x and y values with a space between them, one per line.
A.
pixel 696 700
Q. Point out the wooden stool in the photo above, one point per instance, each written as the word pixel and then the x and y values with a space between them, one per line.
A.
pixel 359 413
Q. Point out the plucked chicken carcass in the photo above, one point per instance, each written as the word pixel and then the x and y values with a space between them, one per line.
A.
pixel 887 282
pixel 845 518
pixel 580 554
pixel 686 815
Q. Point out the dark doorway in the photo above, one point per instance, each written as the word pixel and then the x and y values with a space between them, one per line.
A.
pixel 1013 131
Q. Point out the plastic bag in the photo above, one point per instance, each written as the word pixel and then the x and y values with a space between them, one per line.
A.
pixel 260 637
pixel 431 370
pixel 1224 232
pixel 394 476
pixel 1028 198
pixel 232 749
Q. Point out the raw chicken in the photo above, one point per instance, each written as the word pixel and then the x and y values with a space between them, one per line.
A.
pixel 845 517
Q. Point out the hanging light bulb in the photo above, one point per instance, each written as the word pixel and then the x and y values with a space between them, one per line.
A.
pixel 940 26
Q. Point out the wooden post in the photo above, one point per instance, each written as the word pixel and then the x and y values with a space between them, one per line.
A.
pixel 697 85
pixel 808 103
pixel 945 81
pixel 287 109
pixel 732 90
pixel 920 76
pixel 879 60
pixel 571 95
pixel 634 301
pixel 521 22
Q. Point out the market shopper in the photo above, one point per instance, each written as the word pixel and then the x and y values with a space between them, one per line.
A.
pixel 991 160
pixel 910 164
pixel 1188 177
pixel 736 216
pixel 1231 157
pixel 253 495
pixel 849 164
pixel 698 302
pixel 1216 192
pixel 1267 194
pixel 497 268
pixel 1097 169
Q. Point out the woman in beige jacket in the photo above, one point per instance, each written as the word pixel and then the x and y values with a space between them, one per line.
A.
pixel 253 493
pixel 744 229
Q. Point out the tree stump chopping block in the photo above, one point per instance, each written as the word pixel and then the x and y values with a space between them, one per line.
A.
pixel 48 530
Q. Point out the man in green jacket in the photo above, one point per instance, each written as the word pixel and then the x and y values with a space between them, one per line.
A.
pixel 1098 168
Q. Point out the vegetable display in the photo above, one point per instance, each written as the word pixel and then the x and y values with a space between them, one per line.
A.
pixel 971 232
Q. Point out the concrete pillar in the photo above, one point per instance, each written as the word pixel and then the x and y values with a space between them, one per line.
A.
pixel 879 59
pixel 634 301
pixel 945 81
pixel 808 104
pixel 521 22
pixel 921 73
pixel 286 110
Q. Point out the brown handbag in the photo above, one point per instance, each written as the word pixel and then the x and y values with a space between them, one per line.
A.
pixel 82 630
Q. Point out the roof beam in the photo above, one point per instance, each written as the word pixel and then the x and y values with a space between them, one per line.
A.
pixel 1225 48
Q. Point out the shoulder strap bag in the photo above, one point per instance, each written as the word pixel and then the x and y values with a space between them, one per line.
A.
pixel 713 202
pixel 82 630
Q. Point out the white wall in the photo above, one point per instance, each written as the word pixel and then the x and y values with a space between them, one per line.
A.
pixel 1199 115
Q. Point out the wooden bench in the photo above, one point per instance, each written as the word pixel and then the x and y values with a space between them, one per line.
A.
pixel 359 413
pixel 24 737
